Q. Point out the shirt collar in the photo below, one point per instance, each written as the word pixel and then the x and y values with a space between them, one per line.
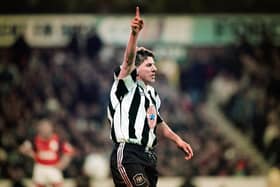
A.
pixel 142 84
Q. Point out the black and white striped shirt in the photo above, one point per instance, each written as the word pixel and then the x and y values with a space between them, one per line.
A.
pixel 128 111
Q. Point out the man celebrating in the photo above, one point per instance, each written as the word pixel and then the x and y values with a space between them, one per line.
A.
pixel 133 112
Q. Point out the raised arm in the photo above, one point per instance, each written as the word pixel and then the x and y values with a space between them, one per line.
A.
pixel 165 130
pixel 130 52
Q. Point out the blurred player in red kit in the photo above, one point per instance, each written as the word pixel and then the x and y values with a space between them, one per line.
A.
pixel 50 153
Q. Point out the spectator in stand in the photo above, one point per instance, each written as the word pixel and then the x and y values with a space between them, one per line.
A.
pixel 21 52
pixel 93 44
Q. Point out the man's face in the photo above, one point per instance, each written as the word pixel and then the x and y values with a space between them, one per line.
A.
pixel 147 71
pixel 45 129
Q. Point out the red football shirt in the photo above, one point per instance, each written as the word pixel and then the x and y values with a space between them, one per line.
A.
pixel 48 151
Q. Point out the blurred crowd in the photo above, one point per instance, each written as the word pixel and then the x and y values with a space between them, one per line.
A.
pixel 255 105
pixel 70 86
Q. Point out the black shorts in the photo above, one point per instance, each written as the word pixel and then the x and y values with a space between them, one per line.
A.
pixel 133 166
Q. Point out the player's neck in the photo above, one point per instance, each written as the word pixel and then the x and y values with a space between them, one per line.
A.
pixel 142 83
pixel 46 137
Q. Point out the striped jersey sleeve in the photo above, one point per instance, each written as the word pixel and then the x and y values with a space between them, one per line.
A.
pixel 124 85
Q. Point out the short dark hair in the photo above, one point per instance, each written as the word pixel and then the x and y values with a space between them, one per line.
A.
pixel 142 54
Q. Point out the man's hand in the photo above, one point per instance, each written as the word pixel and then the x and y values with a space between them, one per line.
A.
pixel 186 148
pixel 165 130
pixel 137 23
pixel 64 162
pixel 26 149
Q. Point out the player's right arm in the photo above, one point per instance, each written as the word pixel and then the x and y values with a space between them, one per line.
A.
pixel 130 52
pixel 26 149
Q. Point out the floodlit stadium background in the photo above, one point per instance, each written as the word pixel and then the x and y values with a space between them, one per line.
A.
pixel 218 80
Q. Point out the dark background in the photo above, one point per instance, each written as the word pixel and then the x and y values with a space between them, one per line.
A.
pixel 148 6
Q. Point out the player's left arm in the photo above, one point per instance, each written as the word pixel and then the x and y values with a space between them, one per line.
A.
pixel 67 155
pixel 64 161
pixel 168 133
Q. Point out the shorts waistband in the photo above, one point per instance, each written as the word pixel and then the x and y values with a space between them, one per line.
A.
pixel 135 146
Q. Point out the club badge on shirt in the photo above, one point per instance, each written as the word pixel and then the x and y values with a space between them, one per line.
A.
pixel 152 116
pixel 53 145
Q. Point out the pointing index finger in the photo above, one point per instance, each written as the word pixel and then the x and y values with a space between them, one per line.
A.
pixel 137 11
